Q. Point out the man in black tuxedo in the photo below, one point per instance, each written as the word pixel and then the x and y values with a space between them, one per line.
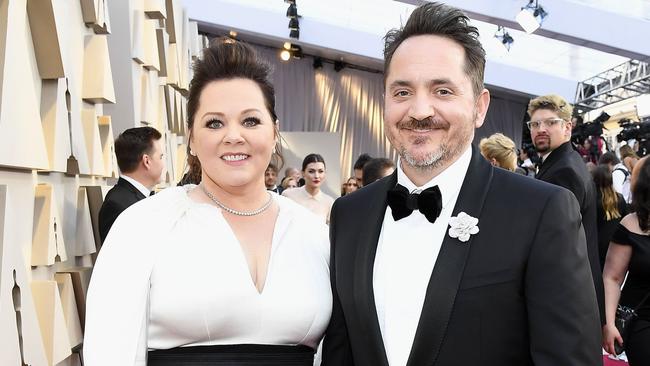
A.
pixel 550 129
pixel 447 265
pixel 139 153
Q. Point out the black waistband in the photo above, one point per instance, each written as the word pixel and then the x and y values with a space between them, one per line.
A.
pixel 233 355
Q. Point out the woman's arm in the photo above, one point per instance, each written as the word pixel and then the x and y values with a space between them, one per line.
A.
pixel 616 264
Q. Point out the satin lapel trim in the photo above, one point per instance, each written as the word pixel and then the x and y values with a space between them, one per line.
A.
pixel 365 262
pixel 448 270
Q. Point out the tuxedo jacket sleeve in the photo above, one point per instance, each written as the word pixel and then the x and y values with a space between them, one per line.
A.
pixel 336 345
pixel 559 299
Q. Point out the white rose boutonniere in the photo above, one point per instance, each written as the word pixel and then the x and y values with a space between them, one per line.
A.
pixel 462 226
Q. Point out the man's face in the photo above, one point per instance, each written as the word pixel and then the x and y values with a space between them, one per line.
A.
pixel 270 178
pixel 430 109
pixel 358 175
pixel 550 132
pixel 157 162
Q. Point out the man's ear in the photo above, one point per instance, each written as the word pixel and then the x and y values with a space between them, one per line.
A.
pixel 146 161
pixel 482 104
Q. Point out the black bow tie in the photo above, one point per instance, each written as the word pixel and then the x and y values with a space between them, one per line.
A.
pixel 402 203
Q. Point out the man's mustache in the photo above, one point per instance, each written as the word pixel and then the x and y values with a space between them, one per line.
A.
pixel 422 124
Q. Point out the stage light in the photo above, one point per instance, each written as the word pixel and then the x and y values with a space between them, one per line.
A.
pixel 339 65
pixel 504 37
pixel 285 55
pixel 293 24
pixel 287 45
pixel 294 34
pixel 296 51
pixel 233 34
pixel 292 11
pixel 531 16
pixel 318 63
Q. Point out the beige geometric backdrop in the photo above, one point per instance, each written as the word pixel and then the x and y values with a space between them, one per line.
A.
pixel 73 75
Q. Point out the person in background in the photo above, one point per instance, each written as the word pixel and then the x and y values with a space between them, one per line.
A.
pixel 526 162
pixel 620 174
pixel 629 254
pixel 500 151
pixel 288 182
pixel 550 130
pixel 358 167
pixel 271 179
pixel 610 207
pixel 628 156
pixel 310 195
pixel 293 173
pixel 139 153
pixel 208 281
pixel 349 186
pixel 377 168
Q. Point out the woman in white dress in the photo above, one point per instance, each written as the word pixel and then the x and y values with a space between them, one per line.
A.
pixel 310 195
pixel 223 273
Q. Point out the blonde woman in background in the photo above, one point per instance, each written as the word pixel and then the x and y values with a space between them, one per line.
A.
pixel 628 157
pixel 500 151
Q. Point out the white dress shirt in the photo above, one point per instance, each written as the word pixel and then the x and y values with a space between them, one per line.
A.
pixel 621 181
pixel 139 186
pixel 406 254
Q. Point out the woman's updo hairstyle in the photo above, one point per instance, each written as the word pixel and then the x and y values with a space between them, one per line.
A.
pixel 227 59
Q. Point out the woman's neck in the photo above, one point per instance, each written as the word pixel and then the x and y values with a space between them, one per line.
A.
pixel 312 190
pixel 242 198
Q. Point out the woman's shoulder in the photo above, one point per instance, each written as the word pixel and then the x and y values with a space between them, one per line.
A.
pixel 631 223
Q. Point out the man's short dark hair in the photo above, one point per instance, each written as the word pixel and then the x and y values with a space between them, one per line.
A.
pixel 445 21
pixel 375 168
pixel 609 158
pixel 272 167
pixel 131 144
pixel 361 161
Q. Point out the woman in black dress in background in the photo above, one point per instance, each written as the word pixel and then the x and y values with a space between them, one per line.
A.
pixel 629 252
pixel 610 208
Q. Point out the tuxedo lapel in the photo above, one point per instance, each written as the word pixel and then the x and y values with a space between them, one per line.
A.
pixel 364 264
pixel 448 270
pixel 554 156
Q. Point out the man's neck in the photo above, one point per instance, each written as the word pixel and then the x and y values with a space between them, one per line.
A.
pixel 420 177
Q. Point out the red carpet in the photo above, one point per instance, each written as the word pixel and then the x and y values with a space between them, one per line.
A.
pixel 609 362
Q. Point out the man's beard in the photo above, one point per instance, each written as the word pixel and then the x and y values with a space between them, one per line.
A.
pixel 440 156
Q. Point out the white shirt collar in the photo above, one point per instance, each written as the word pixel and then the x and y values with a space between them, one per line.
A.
pixel 139 186
pixel 449 180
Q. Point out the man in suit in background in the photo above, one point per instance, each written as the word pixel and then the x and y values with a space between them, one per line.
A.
pixel 271 179
pixel 139 153
pixel 550 129
pixel 447 265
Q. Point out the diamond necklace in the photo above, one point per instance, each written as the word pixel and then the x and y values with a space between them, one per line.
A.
pixel 235 212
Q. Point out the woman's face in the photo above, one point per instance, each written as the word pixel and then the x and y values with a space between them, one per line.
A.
pixel 351 185
pixel 291 183
pixel 233 134
pixel 314 174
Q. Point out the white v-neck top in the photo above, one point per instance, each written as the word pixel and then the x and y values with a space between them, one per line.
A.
pixel 172 274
